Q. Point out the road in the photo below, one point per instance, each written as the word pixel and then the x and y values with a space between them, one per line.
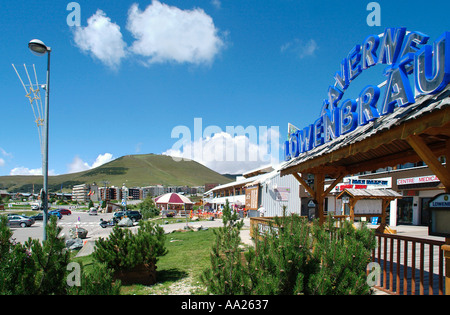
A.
pixel 82 219
pixel 91 224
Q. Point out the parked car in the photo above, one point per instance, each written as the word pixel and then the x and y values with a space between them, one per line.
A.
pixel 64 211
pixel 20 220
pixel 93 211
pixel 38 217
pixel 133 215
pixel 35 207
pixel 55 212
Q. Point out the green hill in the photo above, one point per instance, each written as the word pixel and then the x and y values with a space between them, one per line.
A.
pixel 133 170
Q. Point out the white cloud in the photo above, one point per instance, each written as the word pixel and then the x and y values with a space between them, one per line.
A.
pixel 216 3
pixel 227 154
pixel 78 165
pixel 165 33
pixel 2 162
pixel 102 39
pixel 26 171
pixel 301 48
pixel 102 159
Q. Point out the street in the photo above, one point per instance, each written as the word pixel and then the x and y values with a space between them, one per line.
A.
pixel 95 231
pixel 84 220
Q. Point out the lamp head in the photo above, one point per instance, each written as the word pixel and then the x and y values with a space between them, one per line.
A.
pixel 37 47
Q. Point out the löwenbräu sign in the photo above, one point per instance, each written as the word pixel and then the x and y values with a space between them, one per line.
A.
pixel 405 54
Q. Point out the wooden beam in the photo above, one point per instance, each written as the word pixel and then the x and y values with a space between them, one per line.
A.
pixel 305 185
pixel 430 159
pixel 335 182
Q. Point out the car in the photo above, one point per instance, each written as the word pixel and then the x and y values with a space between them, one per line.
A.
pixel 35 207
pixel 132 214
pixel 64 211
pixel 20 220
pixel 38 217
pixel 55 212
pixel 93 211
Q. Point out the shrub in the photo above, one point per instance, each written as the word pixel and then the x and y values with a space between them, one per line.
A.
pixel 293 257
pixel 36 268
pixel 125 250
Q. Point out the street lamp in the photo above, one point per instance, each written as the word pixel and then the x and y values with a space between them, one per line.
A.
pixel 38 48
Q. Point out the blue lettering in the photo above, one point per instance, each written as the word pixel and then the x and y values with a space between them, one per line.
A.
pixel 341 77
pixel 348 116
pixel 353 59
pixel 398 90
pixel 391 46
pixel 369 56
pixel 432 68
pixel 318 132
pixel 331 124
pixel 306 140
pixel 367 104
pixel 294 150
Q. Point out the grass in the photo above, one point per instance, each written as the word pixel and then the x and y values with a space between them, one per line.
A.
pixel 187 257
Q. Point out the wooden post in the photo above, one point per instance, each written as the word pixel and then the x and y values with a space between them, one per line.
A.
pixel 446 249
pixel 319 180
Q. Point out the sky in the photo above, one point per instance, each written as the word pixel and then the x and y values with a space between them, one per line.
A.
pixel 216 81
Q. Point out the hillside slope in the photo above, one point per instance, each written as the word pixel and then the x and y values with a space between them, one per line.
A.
pixel 133 170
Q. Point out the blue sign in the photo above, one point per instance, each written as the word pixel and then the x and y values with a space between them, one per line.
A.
pixel 404 54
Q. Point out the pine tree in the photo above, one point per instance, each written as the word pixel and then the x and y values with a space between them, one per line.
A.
pixel 344 253
pixel 293 257
pixel 226 275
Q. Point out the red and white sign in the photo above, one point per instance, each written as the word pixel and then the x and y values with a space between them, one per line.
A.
pixel 417 180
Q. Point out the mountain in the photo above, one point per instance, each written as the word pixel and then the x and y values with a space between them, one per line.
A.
pixel 133 170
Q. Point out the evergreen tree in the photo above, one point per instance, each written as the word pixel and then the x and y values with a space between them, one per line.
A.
pixel 226 275
pixel 293 257
pixel 33 268
pixel 124 249
pixel 344 253
pixel 281 262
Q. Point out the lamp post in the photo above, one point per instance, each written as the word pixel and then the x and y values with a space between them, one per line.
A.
pixel 38 48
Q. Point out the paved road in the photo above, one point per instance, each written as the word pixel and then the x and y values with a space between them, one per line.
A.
pixel 95 231
pixel 82 219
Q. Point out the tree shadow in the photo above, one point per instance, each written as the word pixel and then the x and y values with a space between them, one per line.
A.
pixel 172 274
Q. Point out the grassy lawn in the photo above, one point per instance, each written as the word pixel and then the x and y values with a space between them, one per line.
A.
pixel 179 271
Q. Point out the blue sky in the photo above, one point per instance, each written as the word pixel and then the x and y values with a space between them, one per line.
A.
pixel 133 71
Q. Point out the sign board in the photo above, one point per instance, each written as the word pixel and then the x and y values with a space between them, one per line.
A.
pixel 439 208
pixel 413 66
pixel 251 198
pixel 418 180
pixel 368 207
pixel 282 193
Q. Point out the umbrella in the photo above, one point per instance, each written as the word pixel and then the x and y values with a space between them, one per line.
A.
pixel 173 199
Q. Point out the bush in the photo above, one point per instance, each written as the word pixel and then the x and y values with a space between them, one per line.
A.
pixel 294 257
pixel 148 208
pixel 33 268
pixel 125 250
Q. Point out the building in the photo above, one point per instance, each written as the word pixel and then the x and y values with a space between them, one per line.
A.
pixel 110 193
pixel 85 193
pixel 263 187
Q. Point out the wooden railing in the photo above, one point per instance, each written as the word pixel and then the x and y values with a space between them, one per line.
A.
pixel 409 266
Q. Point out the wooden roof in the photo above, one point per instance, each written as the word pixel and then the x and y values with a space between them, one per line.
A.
pixel 370 193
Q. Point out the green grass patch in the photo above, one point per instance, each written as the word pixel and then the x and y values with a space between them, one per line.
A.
pixel 187 257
